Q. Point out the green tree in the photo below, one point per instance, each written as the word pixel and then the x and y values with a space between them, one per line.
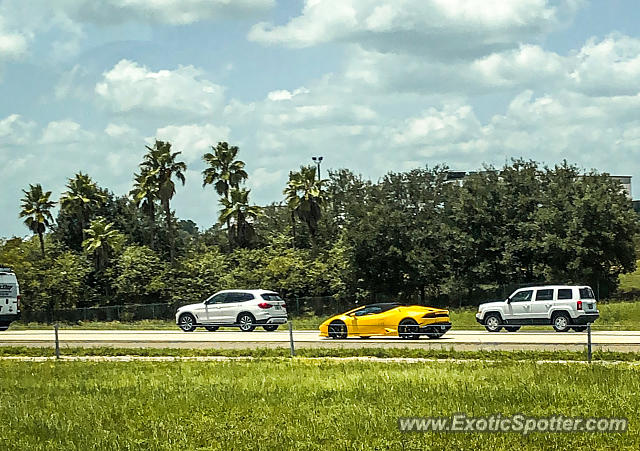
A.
pixel 239 214
pixel 81 197
pixel 305 198
pixel 137 276
pixel 64 283
pixel 103 242
pixel 224 172
pixel 145 192
pixel 163 164
pixel 36 209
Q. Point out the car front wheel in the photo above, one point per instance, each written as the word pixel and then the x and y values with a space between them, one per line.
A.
pixel 245 322
pixel 187 322
pixel 337 330
pixel 493 323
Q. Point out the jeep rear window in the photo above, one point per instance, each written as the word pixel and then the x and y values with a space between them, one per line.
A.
pixel 586 293
pixel 544 295
pixel 565 293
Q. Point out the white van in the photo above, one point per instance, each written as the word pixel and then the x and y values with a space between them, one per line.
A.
pixel 9 297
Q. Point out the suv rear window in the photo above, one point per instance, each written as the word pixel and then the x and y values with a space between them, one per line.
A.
pixel 565 293
pixel 544 295
pixel 271 297
pixel 586 293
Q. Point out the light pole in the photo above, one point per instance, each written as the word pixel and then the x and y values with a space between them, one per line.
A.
pixel 317 161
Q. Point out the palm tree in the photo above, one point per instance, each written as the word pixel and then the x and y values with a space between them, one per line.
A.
pixel 305 198
pixel 224 171
pixel 81 196
pixel 36 209
pixel 237 211
pixel 103 240
pixel 161 162
pixel 145 193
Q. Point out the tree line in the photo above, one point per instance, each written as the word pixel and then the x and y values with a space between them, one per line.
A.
pixel 415 236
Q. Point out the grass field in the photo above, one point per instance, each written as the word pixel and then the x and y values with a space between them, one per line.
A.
pixel 302 404
pixel 613 316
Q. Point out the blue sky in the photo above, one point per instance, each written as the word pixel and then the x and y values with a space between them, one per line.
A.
pixel 370 85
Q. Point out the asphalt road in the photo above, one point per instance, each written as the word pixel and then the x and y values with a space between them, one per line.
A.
pixel 455 339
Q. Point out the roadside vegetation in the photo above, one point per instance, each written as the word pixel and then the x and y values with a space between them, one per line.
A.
pixel 387 353
pixel 316 404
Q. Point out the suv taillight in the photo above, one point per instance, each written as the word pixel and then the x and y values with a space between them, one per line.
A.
pixel 18 306
pixel 579 305
pixel 284 305
pixel 264 305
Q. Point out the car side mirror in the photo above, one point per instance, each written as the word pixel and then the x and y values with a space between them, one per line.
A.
pixel 508 300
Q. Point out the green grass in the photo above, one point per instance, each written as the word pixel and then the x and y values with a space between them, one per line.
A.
pixel 302 404
pixel 27 351
pixel 630 282
pixel 613 316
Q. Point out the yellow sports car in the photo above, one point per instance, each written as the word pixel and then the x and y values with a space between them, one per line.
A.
pixel 406 321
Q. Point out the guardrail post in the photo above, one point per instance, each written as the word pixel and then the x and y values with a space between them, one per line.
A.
pixel 55 326
pixel 293 349
pixel 589 342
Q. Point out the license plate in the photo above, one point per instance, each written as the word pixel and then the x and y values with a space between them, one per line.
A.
pixel 590 305
pixel 278 307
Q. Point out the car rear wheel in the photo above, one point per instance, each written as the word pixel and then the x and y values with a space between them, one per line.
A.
pixel 561 322
pixel 270 327
pixel 512 328
pixel 211 328
pixel 187 322
pixel 246 321
pixel 408 329
pixel 493 323
pixel 337 330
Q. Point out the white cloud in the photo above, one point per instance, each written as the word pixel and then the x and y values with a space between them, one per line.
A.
pixel 192 140
pixel 446 28
pixel 65 131
pixel 14 130
pixel 120 130
pixel 12 45
pixel 129 86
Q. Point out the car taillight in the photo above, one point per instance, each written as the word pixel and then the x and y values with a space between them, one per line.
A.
pixel 18 304
pixel 284 305
pixel 264 305
pixel 579 305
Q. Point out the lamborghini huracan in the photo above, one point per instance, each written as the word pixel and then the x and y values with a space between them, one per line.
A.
pixel 389 319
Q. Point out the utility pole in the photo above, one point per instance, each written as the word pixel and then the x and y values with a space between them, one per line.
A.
pixel 317 161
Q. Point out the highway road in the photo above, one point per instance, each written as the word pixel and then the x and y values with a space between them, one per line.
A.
pixel 455 339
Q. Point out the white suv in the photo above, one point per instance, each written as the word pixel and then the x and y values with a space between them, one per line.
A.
pixel 245 309
pixel 562 306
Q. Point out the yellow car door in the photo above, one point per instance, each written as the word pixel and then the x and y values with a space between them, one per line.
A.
pixel 368 321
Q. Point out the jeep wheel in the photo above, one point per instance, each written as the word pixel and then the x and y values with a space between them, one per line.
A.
pixel 493 323
pixel 561 322
pixel 245 322
pixel 187 322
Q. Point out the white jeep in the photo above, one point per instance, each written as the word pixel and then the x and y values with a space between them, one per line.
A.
pixel 562 306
